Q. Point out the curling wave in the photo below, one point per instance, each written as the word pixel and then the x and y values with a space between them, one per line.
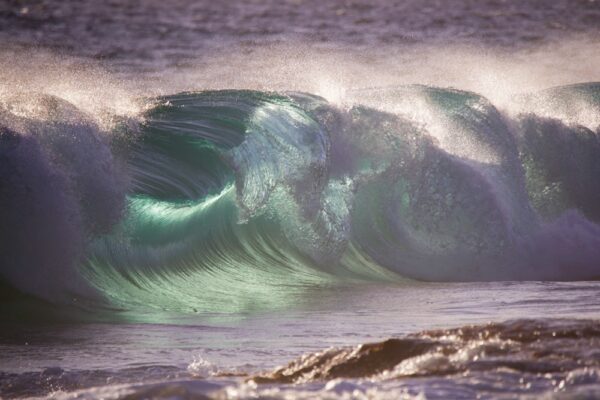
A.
pixel 235 199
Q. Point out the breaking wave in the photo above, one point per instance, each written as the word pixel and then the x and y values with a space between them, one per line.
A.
pixel 232 199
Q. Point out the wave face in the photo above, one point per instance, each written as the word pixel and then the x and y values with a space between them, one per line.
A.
pixel 229 200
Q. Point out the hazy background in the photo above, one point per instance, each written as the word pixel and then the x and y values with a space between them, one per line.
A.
pixel 109 53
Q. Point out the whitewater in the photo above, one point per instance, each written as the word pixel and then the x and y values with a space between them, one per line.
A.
pixel 389 213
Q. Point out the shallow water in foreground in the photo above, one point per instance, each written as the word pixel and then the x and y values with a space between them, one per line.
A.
pixel 191 355
pixel 191 250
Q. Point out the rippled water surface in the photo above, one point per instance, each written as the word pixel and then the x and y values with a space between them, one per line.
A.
pixel 200 351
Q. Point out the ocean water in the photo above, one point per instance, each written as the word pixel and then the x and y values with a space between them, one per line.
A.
pixel 299 199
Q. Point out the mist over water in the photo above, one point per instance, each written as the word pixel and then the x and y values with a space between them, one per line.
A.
pixel 229 186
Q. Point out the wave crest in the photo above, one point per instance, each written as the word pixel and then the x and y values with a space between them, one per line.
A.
pixel 248 195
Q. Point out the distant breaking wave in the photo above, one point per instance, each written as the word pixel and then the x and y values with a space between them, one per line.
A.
pixel 224 200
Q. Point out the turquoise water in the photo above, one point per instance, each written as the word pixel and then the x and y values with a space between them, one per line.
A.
pixel 299 199
pixel 241 229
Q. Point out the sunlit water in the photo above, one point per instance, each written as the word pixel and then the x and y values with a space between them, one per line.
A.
pixel 104 333
pixel 194 350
